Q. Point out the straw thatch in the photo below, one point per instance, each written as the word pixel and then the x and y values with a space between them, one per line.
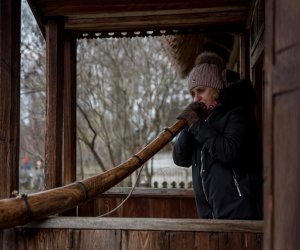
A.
pixel 182 50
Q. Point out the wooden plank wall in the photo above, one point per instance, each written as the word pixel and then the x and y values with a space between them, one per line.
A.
pixel 109 233
pixel 135 240
pixel 282 125
pixel 150 203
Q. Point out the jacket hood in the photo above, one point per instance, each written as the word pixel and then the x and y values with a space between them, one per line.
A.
pixel 238 93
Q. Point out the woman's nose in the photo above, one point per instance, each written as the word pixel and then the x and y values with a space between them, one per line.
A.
pixel 197 98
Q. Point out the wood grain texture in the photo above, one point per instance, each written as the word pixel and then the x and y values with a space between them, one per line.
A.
pixel 148 21
pixel 287 23
pixel 10 14
pixel 281 142
pixel 54 107
pixel 9 239
pixel 286 73
pixel 91 15
pixel 69 110
pixel 148 240
pixel 57 8
pixel 92 239
pixel 150 203
pixel 197 225
pixel 286 170
pixel 96 239
pixel 268 131
pixel 122 192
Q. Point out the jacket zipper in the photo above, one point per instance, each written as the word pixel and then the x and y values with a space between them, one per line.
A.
pixel 202 171
pixel 236 183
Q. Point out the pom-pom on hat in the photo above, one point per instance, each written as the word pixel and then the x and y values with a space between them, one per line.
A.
pixel 207 71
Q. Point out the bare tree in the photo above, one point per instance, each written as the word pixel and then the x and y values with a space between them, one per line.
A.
pixel 32 87
pixel 127 91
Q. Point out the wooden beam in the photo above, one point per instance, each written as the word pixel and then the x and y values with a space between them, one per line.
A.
pixel 66 8
pixel 54 108
pixel 201 18
pixel 160 224
pixel 146 192
pixel 10 15
pixel 120 15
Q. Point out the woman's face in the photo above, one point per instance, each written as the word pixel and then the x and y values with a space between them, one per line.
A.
pixel 206 95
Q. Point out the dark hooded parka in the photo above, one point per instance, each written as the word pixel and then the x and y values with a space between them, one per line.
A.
pixel 225 154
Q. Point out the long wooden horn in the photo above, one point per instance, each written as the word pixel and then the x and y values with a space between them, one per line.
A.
pixel 23 209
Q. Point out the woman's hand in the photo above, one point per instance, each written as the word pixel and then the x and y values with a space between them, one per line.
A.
pixel 193 112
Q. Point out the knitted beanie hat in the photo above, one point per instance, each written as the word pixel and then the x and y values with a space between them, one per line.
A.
pixel 207 71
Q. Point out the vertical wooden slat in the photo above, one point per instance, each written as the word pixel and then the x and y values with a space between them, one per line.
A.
pixel 202 240
pixel 54 111
pixel 164 208
pixel 137 210
pixel 60 239
pixel 229 241
pixel 188 208
pixel 96 239
pixel 146 240
pixel 181 240
pixel 8 239
pixel 251 241
pixel 69 112
pixel 214 241
pixel 10 14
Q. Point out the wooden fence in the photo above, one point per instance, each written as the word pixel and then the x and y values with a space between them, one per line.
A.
pixel 162 219
pixel 143 202
pixel 88 233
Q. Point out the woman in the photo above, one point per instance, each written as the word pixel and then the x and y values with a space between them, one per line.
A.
pixel 221 143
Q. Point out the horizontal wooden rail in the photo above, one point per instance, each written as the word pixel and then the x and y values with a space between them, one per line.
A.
pixel 155 224
pixel 146 192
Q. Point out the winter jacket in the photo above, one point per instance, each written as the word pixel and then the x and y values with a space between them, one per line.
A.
pixel 224 152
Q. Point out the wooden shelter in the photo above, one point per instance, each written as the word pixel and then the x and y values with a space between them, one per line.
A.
pixel 260 39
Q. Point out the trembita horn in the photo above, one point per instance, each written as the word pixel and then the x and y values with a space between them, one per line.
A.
pixel 25 208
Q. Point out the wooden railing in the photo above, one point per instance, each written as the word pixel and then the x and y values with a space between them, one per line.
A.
pixel 135 233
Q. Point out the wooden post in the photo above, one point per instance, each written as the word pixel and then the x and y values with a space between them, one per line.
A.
pixel 10 14
pixel 54 108
pixel 69 112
